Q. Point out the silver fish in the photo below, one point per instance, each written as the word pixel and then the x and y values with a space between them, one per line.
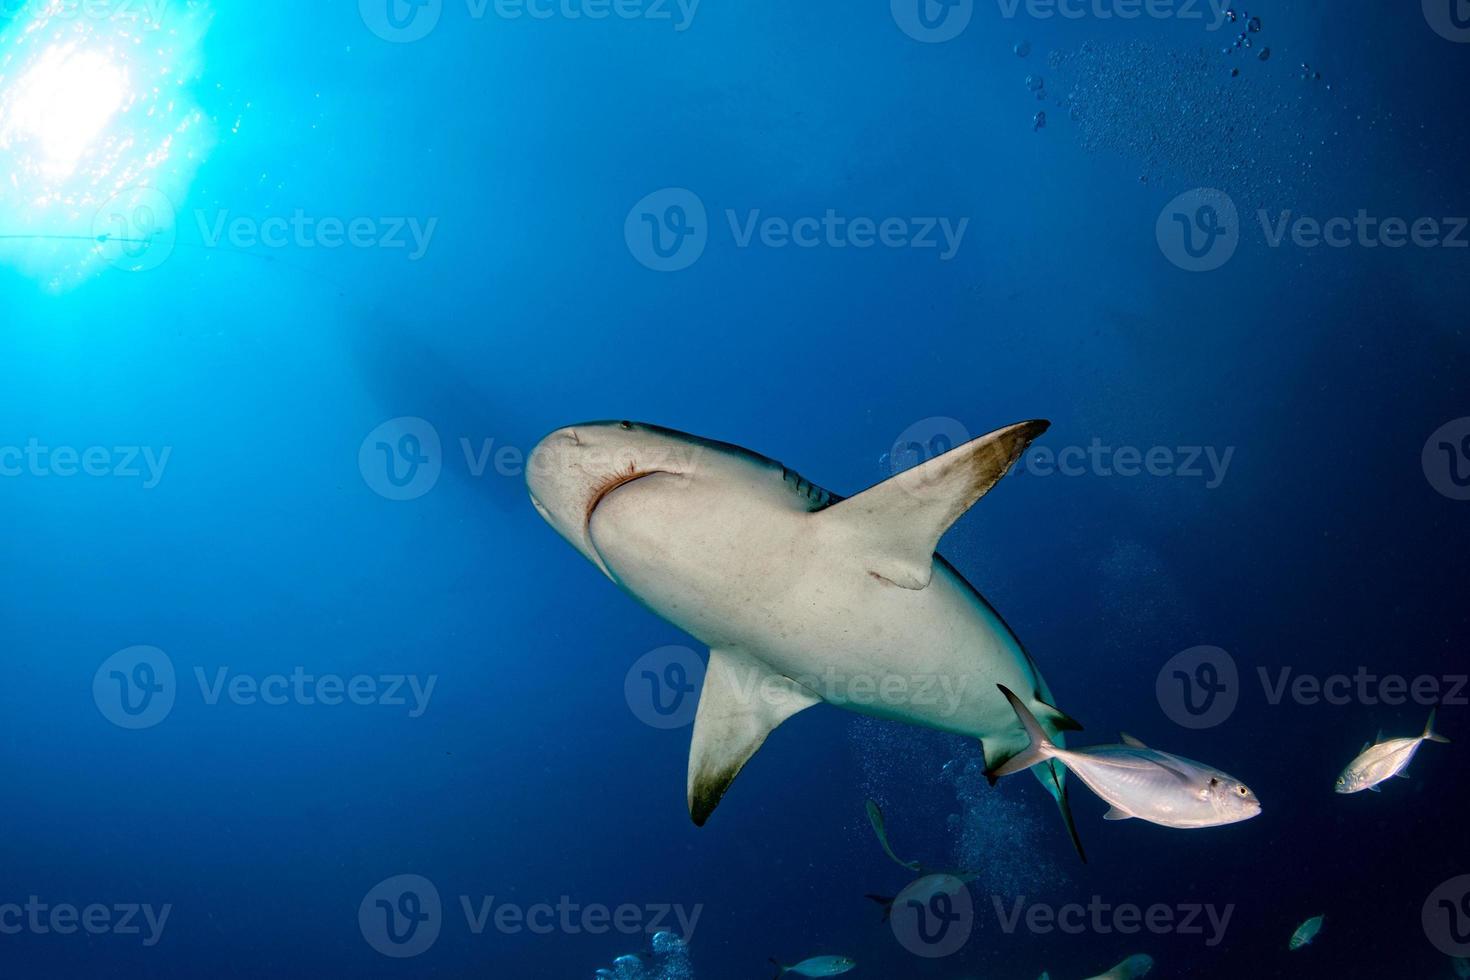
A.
pixel 1384 760
pixel 817 966
pixel 1306 932
pixel 1138 781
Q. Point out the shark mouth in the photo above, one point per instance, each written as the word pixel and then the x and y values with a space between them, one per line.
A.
pixel 615 482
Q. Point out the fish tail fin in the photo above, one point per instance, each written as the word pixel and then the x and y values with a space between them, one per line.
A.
pixel 1429 733
pixel 1039 750
pixel 886 902
pixel 780 970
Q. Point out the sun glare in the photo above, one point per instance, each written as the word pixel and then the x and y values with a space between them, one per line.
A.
pixel 98 130
pixel 63 104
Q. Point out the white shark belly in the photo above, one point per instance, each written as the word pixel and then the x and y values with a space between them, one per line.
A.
pixel 757 581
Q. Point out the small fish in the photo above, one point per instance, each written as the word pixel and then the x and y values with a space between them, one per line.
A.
pixel 1384 760
pixel 880 829
pixel 817 966
pixel 1138 781
pixel 1306 932
pixel 1134 966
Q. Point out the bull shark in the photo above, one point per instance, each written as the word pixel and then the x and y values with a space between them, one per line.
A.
pixel 801 595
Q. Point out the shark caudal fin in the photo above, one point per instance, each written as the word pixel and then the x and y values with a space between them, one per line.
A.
pixel 1040 753
pixel 1040 748
pixel 895 527
pixel 1429 734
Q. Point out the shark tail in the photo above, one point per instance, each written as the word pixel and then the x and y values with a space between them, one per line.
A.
pixel 1041 750
pixel 1429 734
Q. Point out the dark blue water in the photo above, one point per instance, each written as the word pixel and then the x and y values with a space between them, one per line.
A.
pixel 190 440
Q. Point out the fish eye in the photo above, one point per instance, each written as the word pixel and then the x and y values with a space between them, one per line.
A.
pixel 1214 781
pixel 1243 791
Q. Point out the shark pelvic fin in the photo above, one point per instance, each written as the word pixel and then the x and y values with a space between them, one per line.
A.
pixel 743 701
pixel 896 525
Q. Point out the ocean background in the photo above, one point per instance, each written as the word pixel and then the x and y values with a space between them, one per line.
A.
pixel 272 542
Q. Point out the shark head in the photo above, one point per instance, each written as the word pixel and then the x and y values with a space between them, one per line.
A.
pixel 573 470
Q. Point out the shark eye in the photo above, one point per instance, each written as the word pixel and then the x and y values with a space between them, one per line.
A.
pixel 625 425
pixel 1214 782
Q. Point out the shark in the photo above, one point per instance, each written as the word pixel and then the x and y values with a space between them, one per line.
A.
pixel 803 597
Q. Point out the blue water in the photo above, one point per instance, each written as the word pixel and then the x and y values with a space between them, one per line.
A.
pixel 243 525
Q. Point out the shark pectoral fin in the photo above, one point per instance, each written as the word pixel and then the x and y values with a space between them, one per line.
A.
pixel 895 526
pixel 1115 814
pixel 742 703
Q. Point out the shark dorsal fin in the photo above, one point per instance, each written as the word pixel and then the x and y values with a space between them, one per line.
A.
pixel 743 701
pixel 895 526
pixel 1130 741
